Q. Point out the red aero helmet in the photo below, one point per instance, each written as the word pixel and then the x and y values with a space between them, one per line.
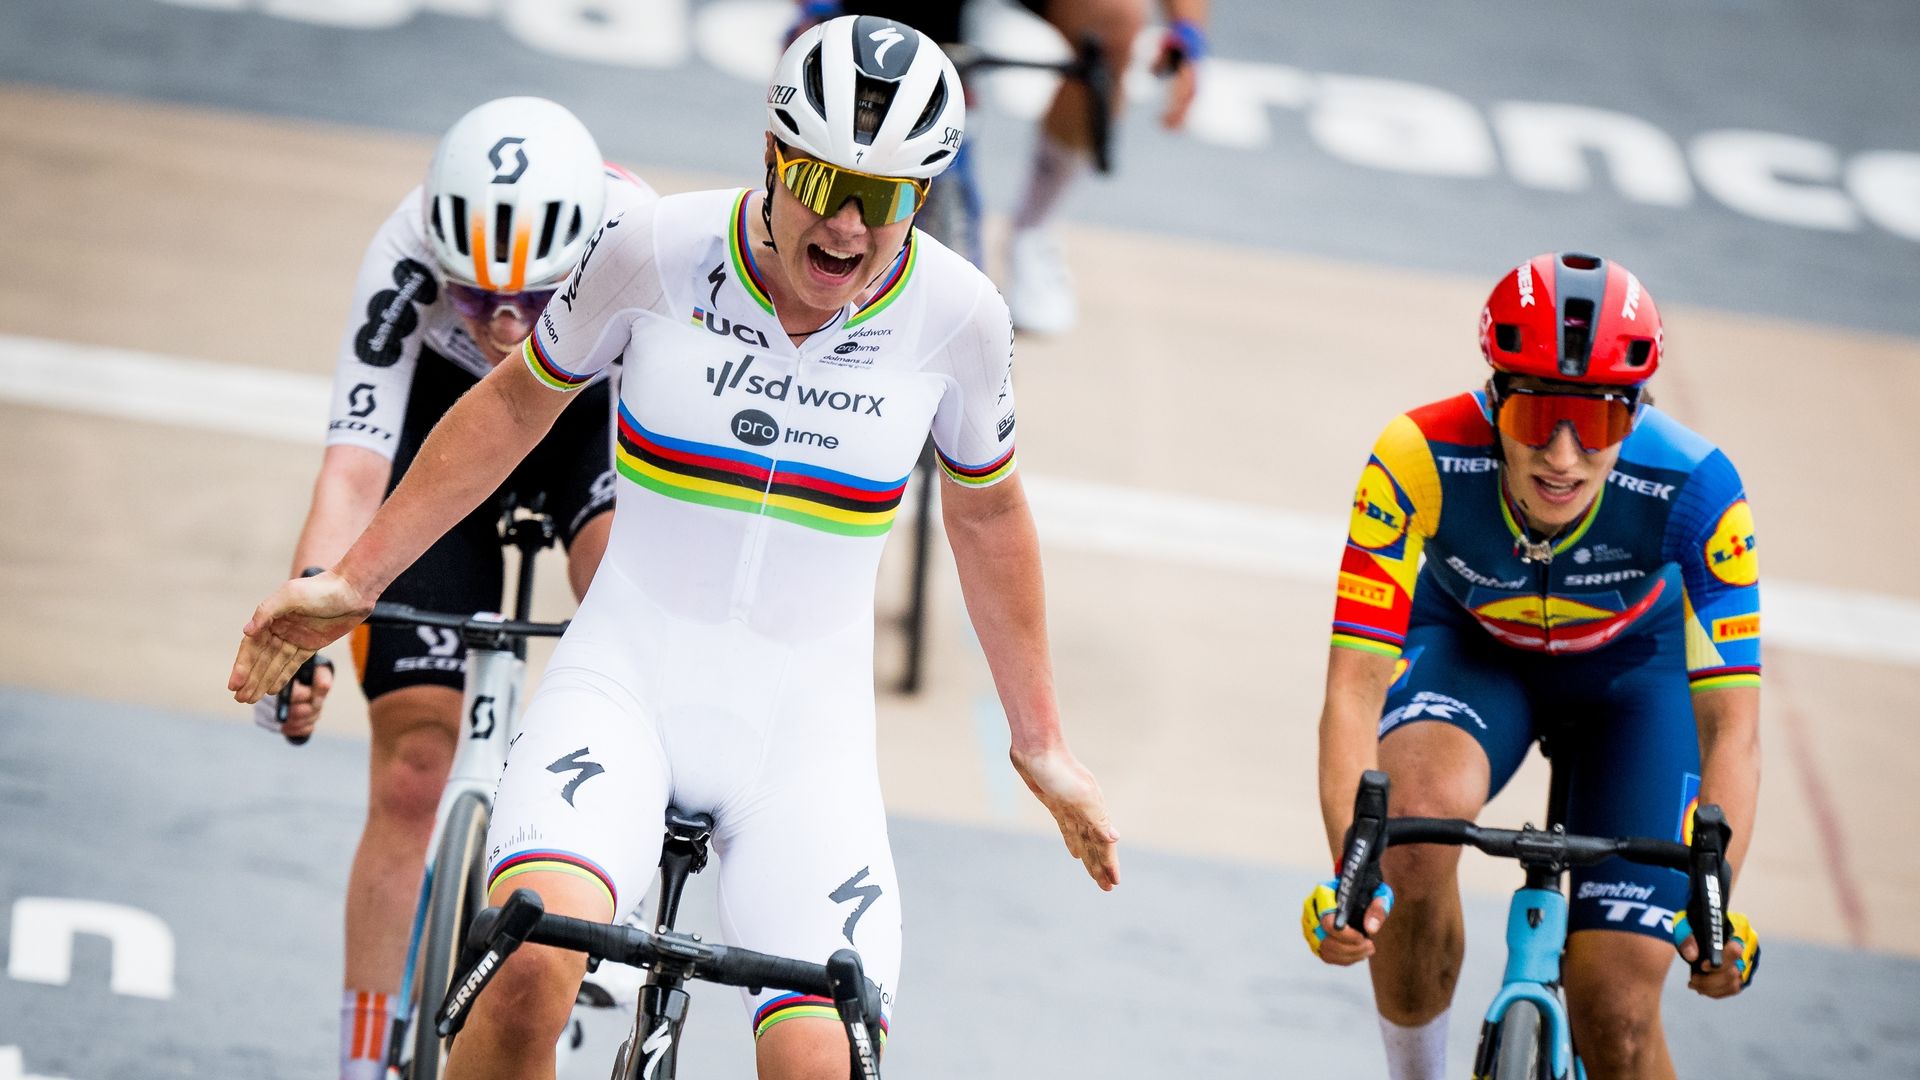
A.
pixel 1574 318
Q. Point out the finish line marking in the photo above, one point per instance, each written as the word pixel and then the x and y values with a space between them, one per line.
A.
pixel 1216 534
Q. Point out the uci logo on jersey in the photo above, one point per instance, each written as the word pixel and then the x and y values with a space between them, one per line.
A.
pixel 725 327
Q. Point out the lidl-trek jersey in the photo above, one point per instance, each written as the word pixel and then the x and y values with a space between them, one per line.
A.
pixel 1669 537
pixel 1597 642
pixel 723 658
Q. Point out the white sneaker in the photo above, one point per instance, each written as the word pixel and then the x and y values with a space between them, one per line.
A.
pixel 1039 289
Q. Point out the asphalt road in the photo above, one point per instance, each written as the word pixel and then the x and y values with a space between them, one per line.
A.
pixel 1015 965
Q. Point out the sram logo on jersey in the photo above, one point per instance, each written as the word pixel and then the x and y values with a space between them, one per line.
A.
pixel 732 376
pixel 725 327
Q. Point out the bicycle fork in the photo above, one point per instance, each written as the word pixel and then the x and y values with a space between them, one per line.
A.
pixel 1536 938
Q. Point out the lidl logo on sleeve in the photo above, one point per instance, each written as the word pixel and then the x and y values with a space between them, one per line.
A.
pixel 1365 590
pixel 1730 550
pixel 1380 512
pixel 1736 628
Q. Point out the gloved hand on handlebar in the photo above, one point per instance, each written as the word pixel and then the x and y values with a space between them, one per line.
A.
pixel 1352 944
pixel 1739 962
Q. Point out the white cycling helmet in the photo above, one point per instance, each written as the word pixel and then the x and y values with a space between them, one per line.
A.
pixel 914 114
pixel 515 189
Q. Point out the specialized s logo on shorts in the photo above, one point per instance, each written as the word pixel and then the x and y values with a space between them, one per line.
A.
pixel 576 762
pixel 850 890
pixel 391 317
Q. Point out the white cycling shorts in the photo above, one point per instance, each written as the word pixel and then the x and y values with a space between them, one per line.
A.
pixel 640 710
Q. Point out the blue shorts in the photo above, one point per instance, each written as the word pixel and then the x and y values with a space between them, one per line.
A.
pixel 1622 727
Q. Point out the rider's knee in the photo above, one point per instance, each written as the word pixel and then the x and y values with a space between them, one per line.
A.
pixel 529 1001
pixel 803 1049
pixel 413 751
pixel 1118 22
pixel 1615 1033
pixel 1613 983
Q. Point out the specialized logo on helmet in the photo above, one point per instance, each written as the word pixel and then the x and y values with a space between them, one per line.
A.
pixel 503 172
pixel 887 38
pixel 874 41
pixel 1730 550
pixel 1523 280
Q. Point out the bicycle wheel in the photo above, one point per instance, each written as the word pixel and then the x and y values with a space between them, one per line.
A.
pixel 1520 1051
pixel 459 892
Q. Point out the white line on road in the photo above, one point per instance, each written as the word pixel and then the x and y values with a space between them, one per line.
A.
pixel 1157 526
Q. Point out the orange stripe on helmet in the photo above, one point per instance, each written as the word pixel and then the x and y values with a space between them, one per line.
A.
pixel 478 234
pixel 521 237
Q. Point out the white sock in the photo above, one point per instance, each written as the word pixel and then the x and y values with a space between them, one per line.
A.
pixel 1416 1053
pixel 1055 169
pixel 366 1018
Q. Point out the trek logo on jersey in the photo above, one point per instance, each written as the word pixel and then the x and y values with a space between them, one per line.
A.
pixel 1730 550
pixel 732 376
pixel 1451 464
pixel 1641 486
pixel 1381 511
pixel 720 324
pixel 1737 627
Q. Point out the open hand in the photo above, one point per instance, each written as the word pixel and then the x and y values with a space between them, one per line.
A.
pixel 302 616
pixel 1073 796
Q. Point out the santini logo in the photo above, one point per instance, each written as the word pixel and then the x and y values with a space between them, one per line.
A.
pixel 733 376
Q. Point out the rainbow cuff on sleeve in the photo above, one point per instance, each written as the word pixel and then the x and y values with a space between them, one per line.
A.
pixel 557 862
pixel 794 1006
pixel 978 475
pixel 1348 635
pixel 1722 677
pixel 546 370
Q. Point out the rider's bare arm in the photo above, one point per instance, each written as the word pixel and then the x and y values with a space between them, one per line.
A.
pixel 467 456
pixel 346 495
pixel 1729 722
pixel 997 553
pixel 1357 683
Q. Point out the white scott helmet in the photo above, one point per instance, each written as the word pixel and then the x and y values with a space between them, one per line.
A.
pixel 515 188
pixel 868 94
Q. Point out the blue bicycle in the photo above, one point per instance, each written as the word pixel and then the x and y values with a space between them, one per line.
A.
pixel 1525 1035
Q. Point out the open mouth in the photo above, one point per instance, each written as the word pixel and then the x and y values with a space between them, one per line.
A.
pixel 836 265
pixel 1557 492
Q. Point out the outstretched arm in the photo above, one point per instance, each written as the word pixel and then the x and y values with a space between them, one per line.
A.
pixel 467 456
pixel 997 553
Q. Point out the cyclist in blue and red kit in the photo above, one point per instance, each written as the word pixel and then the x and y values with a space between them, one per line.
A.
pixel 1589 577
